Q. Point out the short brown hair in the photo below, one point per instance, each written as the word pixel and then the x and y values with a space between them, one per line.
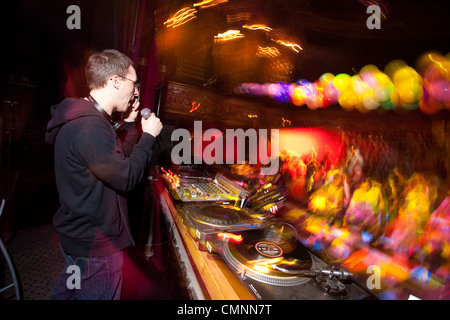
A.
pixel 102 65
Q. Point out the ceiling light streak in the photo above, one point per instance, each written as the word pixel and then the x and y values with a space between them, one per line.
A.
pixel 290 45
pixel 242 16
pixel 270 52
pixel 208 3
pixel 384 6
pixel 257 27
pixel 181 17
pixel 228 35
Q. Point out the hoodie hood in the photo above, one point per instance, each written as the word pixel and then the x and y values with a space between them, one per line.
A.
pixel 68 110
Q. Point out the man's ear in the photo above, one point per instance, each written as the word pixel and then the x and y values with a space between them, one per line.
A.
pixel 115 82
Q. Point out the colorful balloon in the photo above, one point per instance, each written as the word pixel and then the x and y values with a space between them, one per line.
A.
pixel 297 96
pixel 409 92
pixel 382 93
pixel 331 94
pixel 348 100
pixel 369 102
pixel 342 81
pixel 393 67
pixel 398 85
pixel 428 104
pixel 283 94
pixel 326 78
pixel 360 86
pixel 440 90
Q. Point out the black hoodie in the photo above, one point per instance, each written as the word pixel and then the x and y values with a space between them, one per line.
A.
pixel 93 174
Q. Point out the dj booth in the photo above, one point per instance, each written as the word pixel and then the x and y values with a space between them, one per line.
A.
pixel 230 251
pixel 206 276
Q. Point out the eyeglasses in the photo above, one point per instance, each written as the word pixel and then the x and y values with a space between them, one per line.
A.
pixel 136 83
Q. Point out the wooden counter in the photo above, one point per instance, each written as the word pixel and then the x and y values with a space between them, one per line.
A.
pixel 213 278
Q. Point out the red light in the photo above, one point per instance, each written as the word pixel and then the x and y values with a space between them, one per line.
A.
pixel 305 141
pixel 236 238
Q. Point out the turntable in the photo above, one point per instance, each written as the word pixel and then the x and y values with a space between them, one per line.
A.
pixel 203 220
pixel 268 256
pixel 274 265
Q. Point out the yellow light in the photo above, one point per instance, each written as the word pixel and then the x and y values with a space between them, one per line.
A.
pixel 262 268
pixel 319 203
pixel 267 186
pixel 209 3
pixel 264 265
pixel 194 107
pixel 172 178
pixel 438 63
pixel 181 17
pixel 290 262
pixel 241 16
pixel 228 35
pixel 290 45
pixel 266 261
pixel 257 27
pixel 230 236
pixel 286 121
pixel 271 52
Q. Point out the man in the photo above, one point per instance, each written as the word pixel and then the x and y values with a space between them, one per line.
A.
pixel 94 169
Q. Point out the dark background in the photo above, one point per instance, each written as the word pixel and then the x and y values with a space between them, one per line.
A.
pixel 43 61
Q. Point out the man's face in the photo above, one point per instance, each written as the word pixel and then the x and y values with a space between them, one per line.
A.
pixel 127 90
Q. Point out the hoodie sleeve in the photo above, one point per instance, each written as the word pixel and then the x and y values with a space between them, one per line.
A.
pixel 98 147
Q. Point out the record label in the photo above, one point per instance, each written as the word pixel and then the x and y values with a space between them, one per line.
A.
pixel 268 249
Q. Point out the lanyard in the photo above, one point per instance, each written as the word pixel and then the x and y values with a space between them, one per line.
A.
pixel 116 125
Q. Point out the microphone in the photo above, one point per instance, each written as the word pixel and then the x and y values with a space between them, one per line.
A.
pixel 146 113
pixel 163 140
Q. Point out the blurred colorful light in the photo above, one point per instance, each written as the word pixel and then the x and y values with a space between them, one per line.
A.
pixel 398 86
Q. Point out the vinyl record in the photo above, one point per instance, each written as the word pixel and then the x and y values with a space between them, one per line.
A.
pixel 217 215
pixel 269 255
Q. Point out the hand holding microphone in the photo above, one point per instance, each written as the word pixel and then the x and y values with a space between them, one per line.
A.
pixel 150 123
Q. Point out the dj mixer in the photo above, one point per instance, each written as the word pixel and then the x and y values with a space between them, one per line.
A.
pixel 199 189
